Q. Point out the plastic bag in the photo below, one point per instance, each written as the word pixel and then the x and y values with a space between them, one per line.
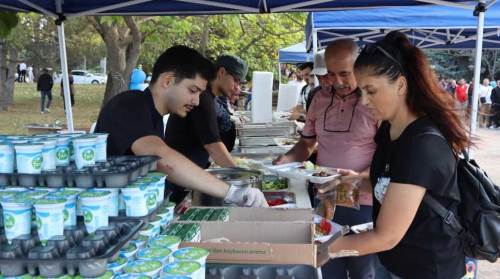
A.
pixel 347 194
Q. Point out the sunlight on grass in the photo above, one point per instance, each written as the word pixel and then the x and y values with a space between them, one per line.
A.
pixel 26 108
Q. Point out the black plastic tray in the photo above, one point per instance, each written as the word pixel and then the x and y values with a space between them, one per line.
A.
pixel 75 254
pixel 237 271
pixel 117 172
pixel 145 219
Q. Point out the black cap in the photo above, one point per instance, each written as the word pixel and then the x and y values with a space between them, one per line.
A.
pixel 234 65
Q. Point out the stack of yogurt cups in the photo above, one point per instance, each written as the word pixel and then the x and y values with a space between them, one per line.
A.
pixel 161 257
pixel 34 154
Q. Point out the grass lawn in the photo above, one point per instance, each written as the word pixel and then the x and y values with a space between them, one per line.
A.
pixel 26 108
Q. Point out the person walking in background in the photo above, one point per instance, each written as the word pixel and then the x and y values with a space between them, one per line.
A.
pixel 137 79
pixel 44 85
pixel 22 68
pixel 451 87
pixel 18 69
pixel 71 90
pixel 461 96
pixel 485 103
pixel 31 77
pixel 495 106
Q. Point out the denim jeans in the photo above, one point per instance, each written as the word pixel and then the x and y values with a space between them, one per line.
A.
pixel 44 94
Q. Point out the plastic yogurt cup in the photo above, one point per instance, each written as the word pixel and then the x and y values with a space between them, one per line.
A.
pixel 35 194
pixel 70 206
pixel 16 216
pixel 140 241
pixel 108 275
pixel 169 207
pixel 141 267
pixel 94 206
pixel 100 147
pixel 6 158
pixel 117 265
pixel 195 254
pixel 169 241
pixel 156 222
pixel 29 158
pixel 84 149
pixel 129 250
pixel 114 202
pixel 49 217
pixel 188 268
pixel 62 151
pixel 147 231
pixel 155 254
pixel 135 200
pixel 49 154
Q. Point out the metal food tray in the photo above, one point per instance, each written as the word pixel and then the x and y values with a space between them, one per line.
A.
pixel 270 150
pixel 264 131
pixel 275 124
pixel 237 271
pixel 116 172
pixel 76 253
pixel 257 141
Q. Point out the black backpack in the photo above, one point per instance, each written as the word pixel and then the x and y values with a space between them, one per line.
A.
pixel 478 223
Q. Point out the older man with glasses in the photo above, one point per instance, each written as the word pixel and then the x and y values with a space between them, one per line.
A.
pixel 342 129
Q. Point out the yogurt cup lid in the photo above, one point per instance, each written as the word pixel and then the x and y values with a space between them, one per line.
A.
pixel 60 277
pixel 66 192
pixel 154 253
pixel 22 146
pixel 165 240
pixel 132 276
pixel 16 199
pixel 47 201
pixel 118 262
pixel 141 238
pixel 94 194
pixel 129 248
pixel 36 193
pixel 182 268
pixel 142 266
pixel 190 253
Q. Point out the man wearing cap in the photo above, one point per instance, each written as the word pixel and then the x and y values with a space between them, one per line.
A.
pixel 231 72
pixel 197 136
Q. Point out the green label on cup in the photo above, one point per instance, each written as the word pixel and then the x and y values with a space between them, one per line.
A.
pixel 38 223
pixel 88 217
pixel 66 215
pixel 37 162
pixel 88 155
pixel 62 154
pixel 151 201
pixel 9 221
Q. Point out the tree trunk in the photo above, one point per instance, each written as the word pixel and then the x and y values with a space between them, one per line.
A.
pixel 8 56
pixel 123 45
pixel 205 36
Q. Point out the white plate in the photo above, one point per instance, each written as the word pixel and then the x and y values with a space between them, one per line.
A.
pixel 362 227
pixel 335 228
pixel 293 171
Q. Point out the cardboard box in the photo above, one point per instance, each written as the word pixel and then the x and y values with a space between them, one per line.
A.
pixel 263 236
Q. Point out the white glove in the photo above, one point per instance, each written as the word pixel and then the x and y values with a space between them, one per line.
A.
pixel 246 196
pixel 236 120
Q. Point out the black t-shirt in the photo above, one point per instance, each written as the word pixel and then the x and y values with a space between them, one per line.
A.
pixel 128 117
pixel 189 135
pixel 429 249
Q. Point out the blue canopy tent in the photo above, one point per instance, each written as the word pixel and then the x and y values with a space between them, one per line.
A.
pixel 295 54
pixel 60 9
pixel 427 27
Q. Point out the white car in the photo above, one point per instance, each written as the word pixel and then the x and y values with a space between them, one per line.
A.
pixel 84 77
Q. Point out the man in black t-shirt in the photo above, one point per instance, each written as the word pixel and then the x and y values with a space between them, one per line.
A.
pixel 134 122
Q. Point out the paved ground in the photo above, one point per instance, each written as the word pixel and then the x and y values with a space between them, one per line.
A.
pixel 488 157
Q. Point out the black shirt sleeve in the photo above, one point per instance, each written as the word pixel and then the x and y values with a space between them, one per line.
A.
pixel 126 119
pixel 203 119
pixel 425 160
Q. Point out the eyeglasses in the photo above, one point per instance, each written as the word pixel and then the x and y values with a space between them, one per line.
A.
pixel 373 48
pixel 331 106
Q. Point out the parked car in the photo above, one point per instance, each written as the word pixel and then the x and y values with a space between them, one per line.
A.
pixel 84 77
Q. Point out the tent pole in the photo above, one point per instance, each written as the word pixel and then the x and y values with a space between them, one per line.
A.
pixel 480 9
pixel 64 68
pixel 279 72
pixel 315 50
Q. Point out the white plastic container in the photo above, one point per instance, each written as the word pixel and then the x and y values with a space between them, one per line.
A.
pixel 140 267
pixel 114 200
pixel 29 158
pixel 49 217
pixel 85 150
pixel 62 151
pixel 135 200
pixel 49 154
pixel 195 254
pixel 16 216
pixel 70 195
pixel 156 222
pixel 6 158
pixel 100 147
pixel 155 254
pixel 188 268
pixel 95 209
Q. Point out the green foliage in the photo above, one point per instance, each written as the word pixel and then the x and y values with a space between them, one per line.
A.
pixel 7 22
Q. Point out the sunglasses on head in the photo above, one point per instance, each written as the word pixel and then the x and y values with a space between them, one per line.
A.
pixel 373 48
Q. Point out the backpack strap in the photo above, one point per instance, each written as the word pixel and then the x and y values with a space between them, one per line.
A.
pixel 447 215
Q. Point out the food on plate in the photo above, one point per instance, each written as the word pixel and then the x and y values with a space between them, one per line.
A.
pixel 324 227
pixel 273 184
pixel 321 174
pixel 308 165
pixel 348 195
pixel 326 209
pixel 275 202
